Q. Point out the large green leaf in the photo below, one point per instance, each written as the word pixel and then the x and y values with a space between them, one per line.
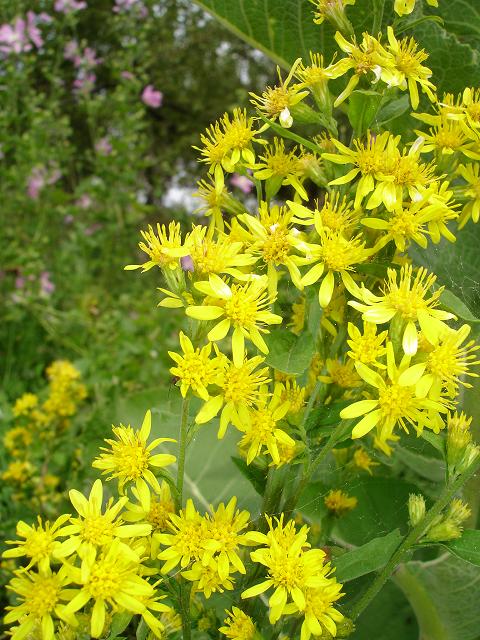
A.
pixel 444 594
pixel 367 558
pixel 211 475
pixel 289 353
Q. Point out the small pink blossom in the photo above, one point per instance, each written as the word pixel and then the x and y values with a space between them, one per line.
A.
pixel 46 285
pixel 151 97
pixel 40 177
pixel 92 229
pixel 126 75
pixel 84 202
pixel 103 147
pixel 71 50
pixel 122 6
pixel 84 82
pixel 19 282
pixel 13 38
pixel 242 182
pixel 33 31
pixel 69 6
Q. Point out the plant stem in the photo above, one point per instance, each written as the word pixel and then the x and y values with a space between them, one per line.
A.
pixel 291 502
pixel 182 452
pixel 411 539
pixel 183 587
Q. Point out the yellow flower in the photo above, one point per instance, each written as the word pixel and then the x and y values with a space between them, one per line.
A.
pixel 240 389
pixel 471 174
pixel 277 101
pixel 279 167
pixel 316 76
pixel 217 256
pixel 39 543
pixel 260 428
pixel 319 612
pixel 396 401
pixel 449 137
pixel 186 542
pixel 95 529
pixel 237 625
pixel 448 362
pixel 410 301
pixel 24 404
pixel 195 370
pixel 333 254
pixel 130 458
pixel 297 320
pixel 228 142
pixel 405 7
pixel 207 579
pixel 18 472
pixel 274 239
pixel 342 374
pixel 335 213
pixel 164 248
pixel 332 10
pixel 408 63
pixel 292 568
pixel 362 460
pixel 223 538
pixel 339 503
pixel 367 57
pixel 41 596
pixel 369 159
pixel 292 393
pixel 17 441
pixel 243 306
pixel 367 347
pixel 113 582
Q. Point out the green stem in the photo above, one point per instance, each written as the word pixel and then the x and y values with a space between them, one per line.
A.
pixel 411 539
pixel 291 502
pixel 182 452
pixel 183 586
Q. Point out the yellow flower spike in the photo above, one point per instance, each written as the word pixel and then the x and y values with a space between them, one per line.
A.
pixel 39 542
pixel 41 595
pixel 395 401
pixel 408 297
pixel 93 529
pixel 241 306
pixel 129 458
pixel 238 626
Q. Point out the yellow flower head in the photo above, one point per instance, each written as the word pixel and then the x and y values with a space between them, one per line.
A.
pixel 297 320
pixel 320 614
pixel 363 461
pixel 331 10
pixel 237 625
pixel 409 298
pixel 342 374
pixel 223 538
pixel 261 431
pixel 367 347
pixel 130 459
pixel 408 59
pixel 335 213
pixel 397 400
pixel 240 389
pixel 292 393
pixel 94 529
pixel 277 101
pixel 471 191
pixel 24 404
pixel 113 582
pixel 221 255
pixel 405 7
pixel 339 503
pixel 207 579
pixel 41 595
pixel 448 137
pixel 18 472
pixel 17 441
pixel 39 542
pixel 186 541
pixel 292 568
pixel 195 370
pixel 241 306
pixel 163 247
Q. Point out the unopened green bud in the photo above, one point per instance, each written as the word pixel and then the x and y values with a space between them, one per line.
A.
pixel 334 12
pixel 345 628
pixel 472 452
pixel 458 511
pixel 457 441
pixel 443 531
pixel 416 509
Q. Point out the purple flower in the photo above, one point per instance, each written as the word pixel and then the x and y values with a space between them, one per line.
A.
pixel 84 82
pixel 39 178
pixel 13 38
pixel 126 5
pixel 69 6
pixel 32 29
pixel 103 147
pixel 71 50
pixel 242 182
pixel 151 97
pixel 46 285
pixel 19 282
pixel 187 263
pixel 89 231
pixel 126 75
pixel 84 202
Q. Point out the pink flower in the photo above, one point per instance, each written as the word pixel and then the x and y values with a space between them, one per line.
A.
pixel 151 97
pixel 84 202
pixel 126 75
pixel 33 31
pixel 103 147
pixel 36 182
pixel 242 182
pixel 126 5
pixel 84 82
pixel 69 6
pixel 71 50
pixel 13 39
pixel 46 285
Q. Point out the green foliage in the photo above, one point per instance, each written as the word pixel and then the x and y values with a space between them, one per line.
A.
pixel 467 547
pixel 289 353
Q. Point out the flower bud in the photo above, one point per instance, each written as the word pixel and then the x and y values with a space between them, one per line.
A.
pixel 416 508
pixel 285 118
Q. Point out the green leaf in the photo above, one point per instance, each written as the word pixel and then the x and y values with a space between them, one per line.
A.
pixel 254 475
pixel 142 630
pixel 289 353
pixel 369 557
pixel 362 108
pixel 444 594
pixel 322 419
pixel 392 109
pixel 450 302
pixel 467 547
pixel 120 622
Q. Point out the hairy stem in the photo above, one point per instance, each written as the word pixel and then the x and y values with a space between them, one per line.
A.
pixel 411 539
pixel 182 452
